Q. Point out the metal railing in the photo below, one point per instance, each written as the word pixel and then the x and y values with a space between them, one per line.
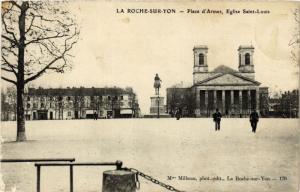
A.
pixel 36 160
pixel 59 162
pixel 118 165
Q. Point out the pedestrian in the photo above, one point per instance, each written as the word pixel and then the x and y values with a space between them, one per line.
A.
pixel 253 120
pixel 178 114
pixel 95 116
pixel 217 119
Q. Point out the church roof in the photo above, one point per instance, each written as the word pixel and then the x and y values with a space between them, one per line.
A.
pixel 220 75
pixel 224 69
pixel 245 47
pixel 200 47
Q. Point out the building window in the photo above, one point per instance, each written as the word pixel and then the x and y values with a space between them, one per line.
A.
pixel 69 113
pixel 247 59
pixel 60 98
pixel 201 59
pixel 108 97
pixel 100 98
pixel 69 98
pixel 121 97
pixel 34 105
pixel 28 105
pixel 28 98
pixel 42 105
pixel 92 98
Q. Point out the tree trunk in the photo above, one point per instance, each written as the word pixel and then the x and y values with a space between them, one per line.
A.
pixel 21 136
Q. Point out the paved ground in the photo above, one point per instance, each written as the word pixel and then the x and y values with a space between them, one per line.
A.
pixel 161 148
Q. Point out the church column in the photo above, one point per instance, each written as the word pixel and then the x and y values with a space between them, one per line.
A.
pixel 257 99
pixel 240 102
pixel 249 101
pixel 232 101
pixel 215 99
pixel 223 101
pixel 206 100
pixel 197 102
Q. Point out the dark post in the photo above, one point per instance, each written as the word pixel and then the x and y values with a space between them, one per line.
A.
pixel 71 178
pixel 38 177
pixel 158 103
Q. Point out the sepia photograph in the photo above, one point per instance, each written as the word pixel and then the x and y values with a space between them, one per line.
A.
pixel 152 96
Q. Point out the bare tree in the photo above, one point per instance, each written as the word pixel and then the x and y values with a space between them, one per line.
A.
pixel 295 41
pixel 37 37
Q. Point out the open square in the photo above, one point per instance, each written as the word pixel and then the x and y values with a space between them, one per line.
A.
pixel 160 148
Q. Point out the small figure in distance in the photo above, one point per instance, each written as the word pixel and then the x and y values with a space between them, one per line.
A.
pixel 253 120
pixel 95 116
pixel 217 119
pixel 178 113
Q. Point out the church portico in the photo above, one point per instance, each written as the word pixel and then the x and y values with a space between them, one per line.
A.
pixel 230 100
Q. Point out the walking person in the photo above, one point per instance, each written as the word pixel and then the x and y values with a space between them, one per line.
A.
pixel 178 114
pixel 253 120
pixel 217 119
pixel 95 116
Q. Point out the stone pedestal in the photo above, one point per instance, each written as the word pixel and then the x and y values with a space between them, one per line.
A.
pixel 118 181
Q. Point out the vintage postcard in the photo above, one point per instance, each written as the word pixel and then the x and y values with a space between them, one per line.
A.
pixel 121 96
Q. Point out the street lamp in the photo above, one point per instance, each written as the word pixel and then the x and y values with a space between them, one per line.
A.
pixel 157 84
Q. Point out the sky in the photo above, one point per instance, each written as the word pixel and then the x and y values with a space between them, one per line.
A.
pixel 121 49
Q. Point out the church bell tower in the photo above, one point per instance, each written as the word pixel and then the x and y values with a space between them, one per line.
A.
pixel 200 71
pixel 246 65
pixel 200 59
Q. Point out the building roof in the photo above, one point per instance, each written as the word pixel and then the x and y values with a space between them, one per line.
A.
pixel 200 47
pixel 79 91
pixel 182 85
pixel 224 69
pixel 245 47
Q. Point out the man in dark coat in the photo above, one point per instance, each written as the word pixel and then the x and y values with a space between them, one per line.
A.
pixel 178 113
pixel 253 120
pixel 95 116
pixel 217 119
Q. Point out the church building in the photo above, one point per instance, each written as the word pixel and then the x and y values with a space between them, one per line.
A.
pixel 233 92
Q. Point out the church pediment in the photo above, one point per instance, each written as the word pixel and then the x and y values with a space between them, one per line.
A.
pixel 228 79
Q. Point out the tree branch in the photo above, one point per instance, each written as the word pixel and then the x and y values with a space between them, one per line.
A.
pixel 9 80
pixel 43 70
pixel 31 24
pixel 15 4
pixel 10 65
pixel 9 50
pixel 5 69
pixel 45 38
pixel 10 40
pixel 8 31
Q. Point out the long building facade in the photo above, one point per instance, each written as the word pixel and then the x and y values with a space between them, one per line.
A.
pixel 80 103
pixel 233 92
